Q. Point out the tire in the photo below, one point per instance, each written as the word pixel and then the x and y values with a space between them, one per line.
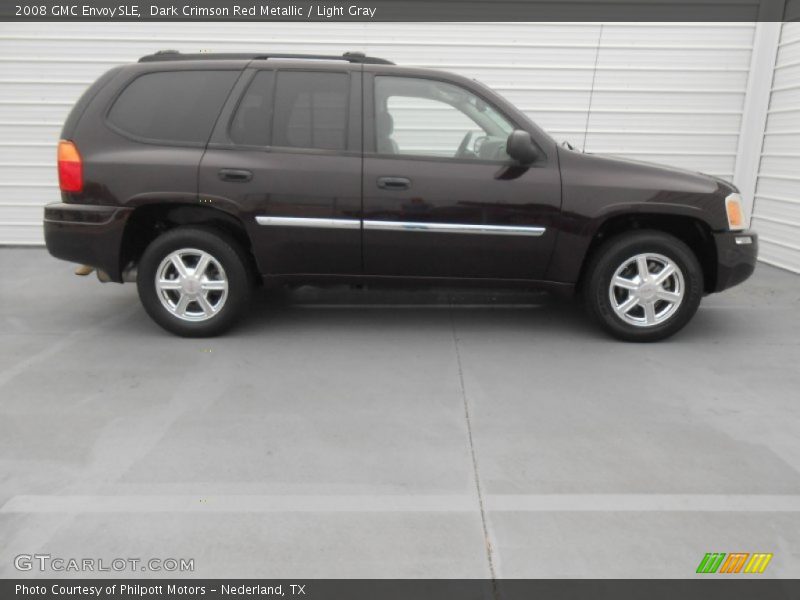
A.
pixel 185 304
pixel 642 309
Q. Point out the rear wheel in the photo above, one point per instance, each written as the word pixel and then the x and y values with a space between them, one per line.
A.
pixel 194 281
pixel 643 286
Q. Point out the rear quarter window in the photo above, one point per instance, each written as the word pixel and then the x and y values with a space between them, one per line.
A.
pixel 172 106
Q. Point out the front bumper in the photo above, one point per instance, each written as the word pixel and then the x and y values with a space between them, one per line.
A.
pixel 86 234
pixel 737 252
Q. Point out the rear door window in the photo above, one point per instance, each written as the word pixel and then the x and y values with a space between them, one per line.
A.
pixel 251 124
pixel 311 110
pixel 172 107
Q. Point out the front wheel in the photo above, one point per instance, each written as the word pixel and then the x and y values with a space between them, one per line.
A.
pixel 193 281
pixel 643 286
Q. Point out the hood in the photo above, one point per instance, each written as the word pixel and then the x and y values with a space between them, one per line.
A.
pixel 625 172
pixel 597 186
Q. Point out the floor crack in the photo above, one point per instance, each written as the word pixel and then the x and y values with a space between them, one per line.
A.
pixel 473 454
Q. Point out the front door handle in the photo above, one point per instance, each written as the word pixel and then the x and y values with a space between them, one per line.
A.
pixel 236 175
pixel 394 183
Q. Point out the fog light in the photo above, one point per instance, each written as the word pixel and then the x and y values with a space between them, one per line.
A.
pixel 743 240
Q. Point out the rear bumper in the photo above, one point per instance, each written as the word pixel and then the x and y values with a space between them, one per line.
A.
pixel 737 252
pixel 86 234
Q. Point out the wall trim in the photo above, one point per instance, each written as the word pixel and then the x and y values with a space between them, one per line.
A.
pixel 754 113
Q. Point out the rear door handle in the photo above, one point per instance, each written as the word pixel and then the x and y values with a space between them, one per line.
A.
pixel 237 175
pixel 394 183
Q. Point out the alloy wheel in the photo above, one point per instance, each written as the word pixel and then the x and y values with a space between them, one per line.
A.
pixel 191 284
pixel 646 289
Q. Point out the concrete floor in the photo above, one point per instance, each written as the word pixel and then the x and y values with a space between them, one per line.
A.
pixel 387 434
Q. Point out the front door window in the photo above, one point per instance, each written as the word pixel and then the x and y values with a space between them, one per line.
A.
pixel 433 119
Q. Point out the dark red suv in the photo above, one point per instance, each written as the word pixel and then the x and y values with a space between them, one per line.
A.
pixel 198 176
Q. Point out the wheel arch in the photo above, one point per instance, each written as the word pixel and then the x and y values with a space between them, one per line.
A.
pixel 694 232
pixel 148 221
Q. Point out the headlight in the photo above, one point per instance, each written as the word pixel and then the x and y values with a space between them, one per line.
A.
pixel 735 212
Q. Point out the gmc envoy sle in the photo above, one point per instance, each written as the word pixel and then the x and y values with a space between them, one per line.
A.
pixel 200 176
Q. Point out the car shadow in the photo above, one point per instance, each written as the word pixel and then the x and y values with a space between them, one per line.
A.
pixel 354 309
pixel 343 310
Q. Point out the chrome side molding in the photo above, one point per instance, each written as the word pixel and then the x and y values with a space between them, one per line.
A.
pixel 401 226
pixel 309 222
pixel 454 228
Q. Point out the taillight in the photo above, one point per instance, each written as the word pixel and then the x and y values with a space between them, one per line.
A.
pixel 70 167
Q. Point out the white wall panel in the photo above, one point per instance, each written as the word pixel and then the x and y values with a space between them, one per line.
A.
pixel 776 213
pixel 673 93
pixel 663 92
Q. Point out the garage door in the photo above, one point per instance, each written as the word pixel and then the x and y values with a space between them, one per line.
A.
pixel 776 212
pixel 669 93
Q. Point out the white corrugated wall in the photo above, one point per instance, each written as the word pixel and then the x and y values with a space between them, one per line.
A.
pixel 671 93
pixel 776 213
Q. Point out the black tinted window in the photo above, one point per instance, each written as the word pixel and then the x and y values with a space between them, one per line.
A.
pixel 251 124
pixel 177 106
pixel 311 110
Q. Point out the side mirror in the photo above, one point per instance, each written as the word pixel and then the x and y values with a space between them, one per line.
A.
pixel 521 148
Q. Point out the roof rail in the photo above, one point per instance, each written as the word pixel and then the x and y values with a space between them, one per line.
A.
pixel 351 57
